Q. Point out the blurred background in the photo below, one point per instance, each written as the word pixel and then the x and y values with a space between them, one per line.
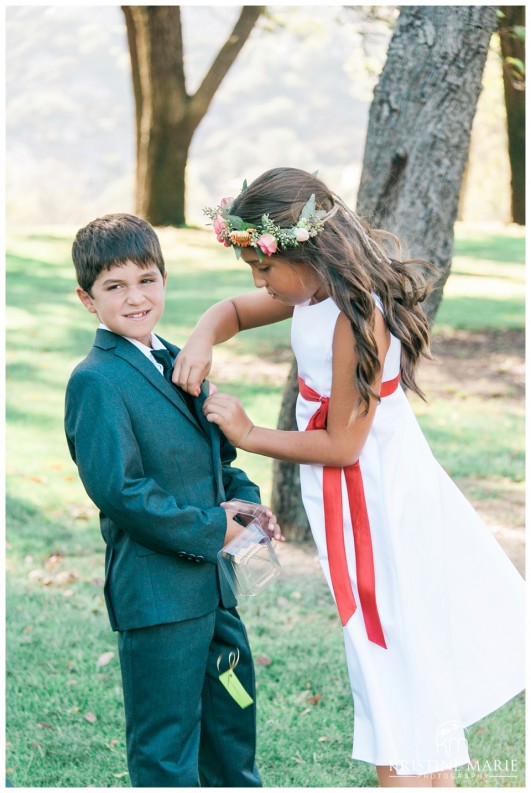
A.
pixel 298 94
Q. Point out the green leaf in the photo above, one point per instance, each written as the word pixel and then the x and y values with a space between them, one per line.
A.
pixel 315 173
pixel 519 32
pixel 309 208
pixel 236 221
pixel 517 63
pixel 259 253
pixel 237 251
pixel 244 185
pixel 500 14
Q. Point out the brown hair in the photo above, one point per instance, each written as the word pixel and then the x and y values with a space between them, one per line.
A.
pixel 351 260
pixel 111 241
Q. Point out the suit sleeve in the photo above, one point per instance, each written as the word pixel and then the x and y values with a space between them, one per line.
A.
pixel 103 446
pixel 235 481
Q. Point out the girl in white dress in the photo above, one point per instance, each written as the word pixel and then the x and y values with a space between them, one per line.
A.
pixel 431 607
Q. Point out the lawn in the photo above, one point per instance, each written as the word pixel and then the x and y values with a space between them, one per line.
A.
pixel 65 723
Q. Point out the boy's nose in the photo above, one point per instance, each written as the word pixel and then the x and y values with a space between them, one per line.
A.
pixel 135 295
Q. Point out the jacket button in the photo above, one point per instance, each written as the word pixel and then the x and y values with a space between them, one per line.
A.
pixel 191 557
pixel 199 559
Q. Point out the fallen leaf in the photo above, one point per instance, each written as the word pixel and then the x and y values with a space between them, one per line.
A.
pixel 56 466
pixel 282 601
pixel 121 774
pixel 324 738
pixel 44 725
pixel 315 699
pixel 98 581
pixel 67 593
pixel 36 744
pixel 263 660
pixel 296 595
pixel 38 479
pixel 71 682
pixel 28 629
pixel 66 577
pixel 90 717
pixel 52 561
pixel 306 711
pixel 104 659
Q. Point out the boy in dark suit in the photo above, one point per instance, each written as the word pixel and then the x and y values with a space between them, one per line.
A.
pixel 158 472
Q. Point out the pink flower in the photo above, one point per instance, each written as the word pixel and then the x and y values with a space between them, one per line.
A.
pixel 301 235
pixel 226 202
pixel 219 227
pixel 267 244
pixel 219 224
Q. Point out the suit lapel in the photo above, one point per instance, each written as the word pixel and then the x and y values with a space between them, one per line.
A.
pixel 211 430
pixel 124 349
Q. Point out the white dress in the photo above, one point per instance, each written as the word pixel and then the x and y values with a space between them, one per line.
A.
pixel 444 643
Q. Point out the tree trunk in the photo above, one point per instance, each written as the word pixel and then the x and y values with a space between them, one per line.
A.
pixel 513 46
pixel 166 116
pixel 286 501
pixel 419 129
pixel 416 150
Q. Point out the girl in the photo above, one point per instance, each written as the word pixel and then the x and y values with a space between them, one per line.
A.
pixel 431 607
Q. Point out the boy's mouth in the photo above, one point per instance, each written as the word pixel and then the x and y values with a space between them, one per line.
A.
pixel 138 314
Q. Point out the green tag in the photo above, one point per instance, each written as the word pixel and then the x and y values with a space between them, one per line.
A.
pixel 235 688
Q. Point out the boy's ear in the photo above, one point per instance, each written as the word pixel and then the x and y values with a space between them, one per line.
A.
pixel 86 300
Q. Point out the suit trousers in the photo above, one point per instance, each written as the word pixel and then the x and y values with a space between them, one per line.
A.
pixel 183 729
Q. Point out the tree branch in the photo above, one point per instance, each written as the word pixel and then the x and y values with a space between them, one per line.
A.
pixel 202 98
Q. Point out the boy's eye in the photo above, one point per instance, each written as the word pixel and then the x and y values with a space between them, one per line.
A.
pixel 148 280
pixel 263 269
pixel 112 287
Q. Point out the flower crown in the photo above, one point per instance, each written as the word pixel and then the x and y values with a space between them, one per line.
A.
pixel 266 237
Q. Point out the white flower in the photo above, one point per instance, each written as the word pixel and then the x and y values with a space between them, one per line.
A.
pixel 301 235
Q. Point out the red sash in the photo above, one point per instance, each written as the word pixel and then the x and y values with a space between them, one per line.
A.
pixel 335 542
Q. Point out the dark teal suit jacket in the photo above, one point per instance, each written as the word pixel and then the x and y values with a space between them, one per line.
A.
pixel 158 474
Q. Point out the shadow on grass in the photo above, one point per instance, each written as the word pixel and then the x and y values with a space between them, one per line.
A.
pixel 30 531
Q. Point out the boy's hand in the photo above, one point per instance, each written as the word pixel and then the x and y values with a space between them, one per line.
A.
pixel 192 365
pixel 266 518
pixel 227 412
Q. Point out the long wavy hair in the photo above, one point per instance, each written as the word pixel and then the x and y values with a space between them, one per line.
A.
pixel 353 261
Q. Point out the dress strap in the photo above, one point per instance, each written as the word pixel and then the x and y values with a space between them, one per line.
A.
pixel 335 540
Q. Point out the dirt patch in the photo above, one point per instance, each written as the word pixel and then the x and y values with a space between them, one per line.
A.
pixel 489 363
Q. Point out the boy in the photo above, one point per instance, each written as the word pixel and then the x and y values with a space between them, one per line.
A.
pixel 158 472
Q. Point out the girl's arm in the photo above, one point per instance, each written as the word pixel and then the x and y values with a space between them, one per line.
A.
pixel 340 444
pixel 221 322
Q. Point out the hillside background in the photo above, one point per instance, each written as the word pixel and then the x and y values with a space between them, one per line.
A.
pixel 298 95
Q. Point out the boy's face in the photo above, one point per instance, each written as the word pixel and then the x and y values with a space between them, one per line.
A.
pixel 128 299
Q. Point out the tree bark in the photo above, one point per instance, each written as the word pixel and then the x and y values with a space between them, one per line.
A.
pixel 415 154
pixel 419 129
pixel 166 115
pixel 513 46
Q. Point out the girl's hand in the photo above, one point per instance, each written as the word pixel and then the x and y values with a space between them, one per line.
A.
pixel 192 365
pixel 227 412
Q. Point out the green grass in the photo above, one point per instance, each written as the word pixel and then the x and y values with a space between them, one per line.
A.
pixel 57 627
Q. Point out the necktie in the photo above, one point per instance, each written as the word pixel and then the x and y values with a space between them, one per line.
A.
pixel 164 357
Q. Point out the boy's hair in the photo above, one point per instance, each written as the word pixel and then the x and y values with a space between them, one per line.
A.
pixel 111 241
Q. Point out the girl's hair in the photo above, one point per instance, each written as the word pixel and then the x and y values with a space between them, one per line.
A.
pixel 352 264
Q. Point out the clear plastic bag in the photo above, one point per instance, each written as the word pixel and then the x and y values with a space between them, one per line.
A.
pixel 249 562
